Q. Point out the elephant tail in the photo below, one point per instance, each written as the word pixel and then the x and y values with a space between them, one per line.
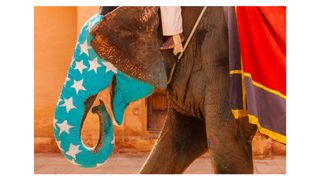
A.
pixel 67 132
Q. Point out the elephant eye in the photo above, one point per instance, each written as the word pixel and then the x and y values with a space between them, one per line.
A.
pixel 128 35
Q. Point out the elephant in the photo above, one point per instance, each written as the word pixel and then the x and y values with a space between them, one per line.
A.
pixel 88 75
pixel 199 118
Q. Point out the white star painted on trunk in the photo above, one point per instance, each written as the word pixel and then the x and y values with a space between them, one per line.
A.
pixel 59 145
pixel 78 85
pixel 84 48
pixel 74 162
pixel 94 65
pixel 73 59
pixel 80 66
pixel 73 150
pixel 68 103
pixel 64 127
pixel 112 142
pixel 66 80
pixel 54 122
pixel 90 25
pixel 59 100
pixel 110 67
pixel 99 164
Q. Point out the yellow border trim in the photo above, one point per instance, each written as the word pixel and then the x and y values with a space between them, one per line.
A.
pixel 239 113
pixel 254 120
pixel 244 90
pixel 235 72
pixel 264 87
pixel 258 84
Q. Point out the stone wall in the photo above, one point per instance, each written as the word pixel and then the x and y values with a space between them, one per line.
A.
pixel 54 40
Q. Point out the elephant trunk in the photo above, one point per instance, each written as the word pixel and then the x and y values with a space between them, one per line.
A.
pixel 68 124
pixel 88 75
pixel 106 127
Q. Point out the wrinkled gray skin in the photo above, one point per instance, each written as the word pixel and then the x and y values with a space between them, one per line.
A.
pixel 199 117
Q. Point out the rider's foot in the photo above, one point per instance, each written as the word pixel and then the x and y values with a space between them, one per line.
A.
pixel 169 44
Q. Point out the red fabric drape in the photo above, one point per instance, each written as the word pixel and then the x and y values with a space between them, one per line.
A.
pixel 262 34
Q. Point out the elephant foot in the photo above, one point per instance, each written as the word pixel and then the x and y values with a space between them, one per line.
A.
pixel 181 141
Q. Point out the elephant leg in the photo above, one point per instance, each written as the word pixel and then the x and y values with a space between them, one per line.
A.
pixel 229 142
pixel 182 140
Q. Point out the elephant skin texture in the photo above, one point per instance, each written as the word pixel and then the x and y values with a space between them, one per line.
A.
pixel 199 117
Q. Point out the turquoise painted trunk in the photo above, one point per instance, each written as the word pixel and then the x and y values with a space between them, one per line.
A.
pixel 87 76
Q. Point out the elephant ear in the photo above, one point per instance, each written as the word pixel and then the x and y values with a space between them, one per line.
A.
pixel 125 90
pixel 128 38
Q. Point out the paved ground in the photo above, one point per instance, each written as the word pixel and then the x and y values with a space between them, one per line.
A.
pixel 130 164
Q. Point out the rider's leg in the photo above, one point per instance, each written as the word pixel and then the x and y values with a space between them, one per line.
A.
pixel 171 19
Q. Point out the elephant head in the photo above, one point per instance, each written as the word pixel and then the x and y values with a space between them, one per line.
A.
pixel 128 37
pixel 87 76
